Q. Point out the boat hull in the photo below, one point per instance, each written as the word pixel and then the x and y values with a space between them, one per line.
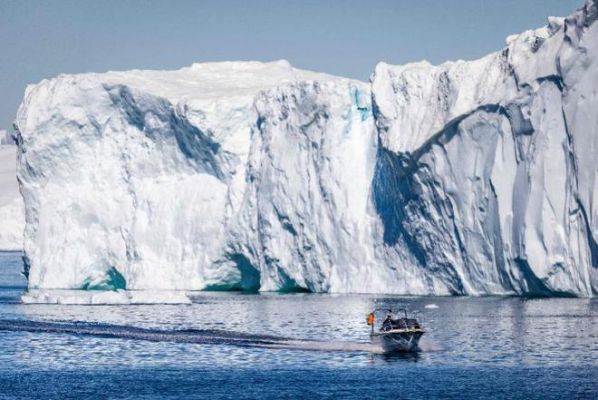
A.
pixel 398 341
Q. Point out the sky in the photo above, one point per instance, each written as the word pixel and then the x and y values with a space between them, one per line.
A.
pixel 41 39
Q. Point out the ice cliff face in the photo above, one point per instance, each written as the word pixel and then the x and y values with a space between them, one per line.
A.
pixel 486 174
pixel 206 177
pixel 464 178
pixel 12 214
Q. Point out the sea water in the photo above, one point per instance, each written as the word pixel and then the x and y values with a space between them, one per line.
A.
pixel 235 345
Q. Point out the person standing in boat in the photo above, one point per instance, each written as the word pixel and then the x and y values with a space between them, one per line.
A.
pixel 370 321
pixel 387 323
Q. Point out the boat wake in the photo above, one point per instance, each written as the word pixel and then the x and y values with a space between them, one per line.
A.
pixel 199 336
pixel 427 344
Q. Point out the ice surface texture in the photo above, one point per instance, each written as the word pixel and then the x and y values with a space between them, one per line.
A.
pixel 465 178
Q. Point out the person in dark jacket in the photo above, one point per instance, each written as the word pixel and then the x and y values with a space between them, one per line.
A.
pixel 387 323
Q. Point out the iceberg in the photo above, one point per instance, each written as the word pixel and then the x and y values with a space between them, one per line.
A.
pixel 467 178
pixel 486 174
pixel 216 176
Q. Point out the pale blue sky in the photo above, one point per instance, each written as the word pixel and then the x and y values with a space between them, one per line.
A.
pixel 42 39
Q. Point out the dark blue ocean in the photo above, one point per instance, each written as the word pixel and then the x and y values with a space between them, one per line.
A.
pixel 237 346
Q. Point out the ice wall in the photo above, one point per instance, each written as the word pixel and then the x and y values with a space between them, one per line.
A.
pixel 194 179
pixel 492 163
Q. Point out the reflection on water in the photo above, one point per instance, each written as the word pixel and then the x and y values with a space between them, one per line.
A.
pixel 398 357
pixel 301 331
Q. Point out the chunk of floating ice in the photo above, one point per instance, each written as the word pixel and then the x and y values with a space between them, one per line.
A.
pixel 430 306
pixel 96 297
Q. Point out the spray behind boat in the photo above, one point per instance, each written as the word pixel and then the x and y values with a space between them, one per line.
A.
pixel 397 332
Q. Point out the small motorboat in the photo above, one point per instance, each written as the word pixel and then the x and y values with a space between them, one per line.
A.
pixel 396 333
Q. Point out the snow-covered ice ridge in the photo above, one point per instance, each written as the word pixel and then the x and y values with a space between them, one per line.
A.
pixel 464 178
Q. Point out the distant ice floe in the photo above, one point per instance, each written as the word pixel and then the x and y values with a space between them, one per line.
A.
pixel 92 297
pixel 12 210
